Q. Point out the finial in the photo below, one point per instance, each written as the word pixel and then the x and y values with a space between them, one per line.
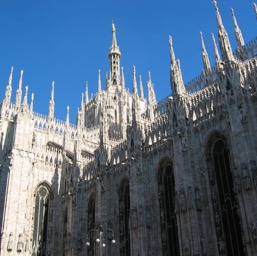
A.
pixel 134 81
pixel 114 48
pixel 8 90
pixel 10 77
pixel 113 27
pixel 172 54
pixel 68 115
pixel 205 57
pixel 149 77
pixel 25 100
pixel 20 82
pixel 19 92
pixel 99 81
pixel 151 92
pixel 86 93
pixel 52 92
pixel 141 87
pixel 238 33
pixel 216 51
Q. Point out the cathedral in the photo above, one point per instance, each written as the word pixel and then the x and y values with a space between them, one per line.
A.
pixel 133 176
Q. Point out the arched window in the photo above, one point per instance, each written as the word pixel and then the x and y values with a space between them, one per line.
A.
pixel 124 209
pixel 91 225
pixel 169 229
pixel 41 221
pixel 225 205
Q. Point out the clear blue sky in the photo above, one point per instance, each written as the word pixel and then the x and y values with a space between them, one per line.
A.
pixel 68 41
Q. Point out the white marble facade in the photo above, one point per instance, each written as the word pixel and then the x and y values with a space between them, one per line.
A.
pixel 176 177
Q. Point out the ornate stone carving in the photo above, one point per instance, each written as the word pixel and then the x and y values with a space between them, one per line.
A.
pixel 182 200
pixel 253 229
pixel 186 247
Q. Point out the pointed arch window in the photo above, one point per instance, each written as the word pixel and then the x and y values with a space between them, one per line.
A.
pixel 169 229
pixel 41 221
pixel 224 201
pixel 124 210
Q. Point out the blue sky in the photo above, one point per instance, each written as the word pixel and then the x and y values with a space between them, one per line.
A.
pixel 68 41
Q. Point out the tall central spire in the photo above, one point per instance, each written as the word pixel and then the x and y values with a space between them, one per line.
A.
pixel 114 57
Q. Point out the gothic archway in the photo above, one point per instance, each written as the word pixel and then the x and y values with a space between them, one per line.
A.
pixel 124 210
pixel 169 229
pixel 224 200
pixel 42 197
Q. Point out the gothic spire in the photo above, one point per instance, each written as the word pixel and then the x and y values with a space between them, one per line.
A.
pixel 176 81
pixel 141 88
pixel 19 92
pixel 99 81
pixel 238 33
pixel 205 57
pixel 51 104
pixel 134 81
pixel 86 92
pixel 32 103
pixel 224 42
pixel 8 90
pixel 172 54
pixel 151 92
pixel 216 51
pixel 114 57
pixel 25 99
pixel 68 116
